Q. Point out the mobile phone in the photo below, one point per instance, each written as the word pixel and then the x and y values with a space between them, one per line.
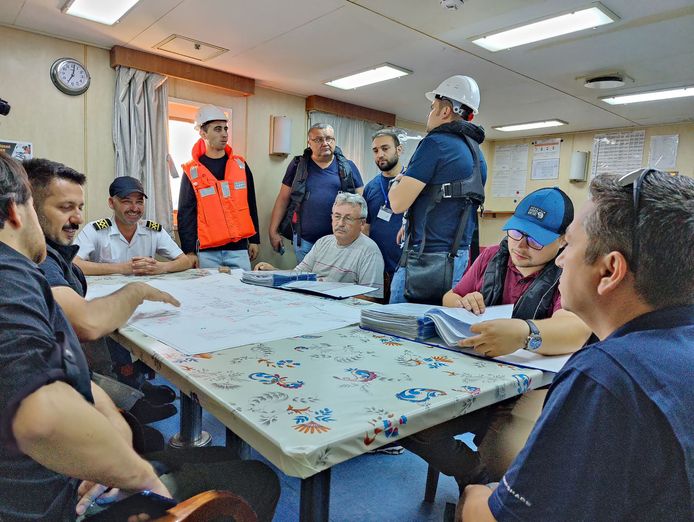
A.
pixel 144 502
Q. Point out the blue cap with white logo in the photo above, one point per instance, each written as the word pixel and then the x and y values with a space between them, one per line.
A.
pixel 543 215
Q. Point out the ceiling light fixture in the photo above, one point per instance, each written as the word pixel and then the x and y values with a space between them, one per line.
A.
pixel 669 94
pixel 530 125
pixel 376 74
pixel 611 81
pixel 107 13
pixel 558 25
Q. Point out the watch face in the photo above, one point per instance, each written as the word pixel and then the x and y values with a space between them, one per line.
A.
pixel 70 76
pixel 534 342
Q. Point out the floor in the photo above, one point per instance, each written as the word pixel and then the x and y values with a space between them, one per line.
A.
pixel 367 488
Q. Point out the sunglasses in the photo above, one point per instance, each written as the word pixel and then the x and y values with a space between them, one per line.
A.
pixel 518 236
pixel 636 178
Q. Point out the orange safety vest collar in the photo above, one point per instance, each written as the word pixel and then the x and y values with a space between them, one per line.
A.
pixel 223 213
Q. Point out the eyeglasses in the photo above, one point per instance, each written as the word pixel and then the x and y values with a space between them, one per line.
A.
pixel 636 177
pixel 518 236
pixel 349 220
pixel 320 141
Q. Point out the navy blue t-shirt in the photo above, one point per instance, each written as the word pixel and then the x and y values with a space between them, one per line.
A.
pixel 383 232
pixel 322 185
pixel 33 333
pixel 441 158
pixel 615 440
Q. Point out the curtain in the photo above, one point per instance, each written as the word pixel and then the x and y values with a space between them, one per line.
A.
pixel 353 137
pixel 140 128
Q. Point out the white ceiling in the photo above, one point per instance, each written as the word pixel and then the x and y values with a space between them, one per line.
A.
pixel 296 45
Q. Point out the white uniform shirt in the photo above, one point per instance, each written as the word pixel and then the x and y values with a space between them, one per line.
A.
pixel 108 245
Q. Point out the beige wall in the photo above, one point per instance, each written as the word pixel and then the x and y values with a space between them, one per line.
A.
pixel 490 228
pixel 75 130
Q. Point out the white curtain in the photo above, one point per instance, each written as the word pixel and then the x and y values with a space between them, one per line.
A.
pixel 140 124
pixel 353 137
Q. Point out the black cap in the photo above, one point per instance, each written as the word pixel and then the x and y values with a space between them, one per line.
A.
pixel 124 186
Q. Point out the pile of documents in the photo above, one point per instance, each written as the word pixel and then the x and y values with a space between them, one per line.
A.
pixel 421 321
pixel 275 278
pixel 406 320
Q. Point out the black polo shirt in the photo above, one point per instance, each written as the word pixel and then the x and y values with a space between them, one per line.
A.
pixel 37 347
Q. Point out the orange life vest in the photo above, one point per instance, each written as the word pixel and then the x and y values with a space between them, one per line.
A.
pixel 223 213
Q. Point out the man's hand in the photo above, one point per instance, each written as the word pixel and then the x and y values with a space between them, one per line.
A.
pixel 263 266
pixel 90 493
pixel 497 337
pixel 472 302
pixel 149 293
pixel 193 260
pixel 253 250
pixel 275 240
pixel 147 266
pixel 400 236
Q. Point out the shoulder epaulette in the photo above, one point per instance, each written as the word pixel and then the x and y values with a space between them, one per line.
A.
pixel 153 225
pixel 101 224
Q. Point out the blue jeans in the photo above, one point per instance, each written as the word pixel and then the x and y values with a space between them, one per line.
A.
pixel 301 251
pixel 397 285
pixel 230 258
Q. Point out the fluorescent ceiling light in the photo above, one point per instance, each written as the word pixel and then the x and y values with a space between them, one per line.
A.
pixel 650 96
pixel 530 125
pixel 548 28
pixel 375 75
pixel 104 12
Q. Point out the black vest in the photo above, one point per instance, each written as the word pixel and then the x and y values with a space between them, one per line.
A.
pixel 536 301
pixel 291 223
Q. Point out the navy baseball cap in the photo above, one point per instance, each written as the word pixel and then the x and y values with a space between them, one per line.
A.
pixel 544 215
pixel 123 186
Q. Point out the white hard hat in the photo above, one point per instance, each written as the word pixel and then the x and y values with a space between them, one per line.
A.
pixel 209 113
pixel 461 89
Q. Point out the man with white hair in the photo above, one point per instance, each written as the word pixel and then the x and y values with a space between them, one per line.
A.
pixel 217 212
pixel 346 255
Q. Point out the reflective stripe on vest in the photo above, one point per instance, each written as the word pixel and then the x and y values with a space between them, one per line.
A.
pixel 223 212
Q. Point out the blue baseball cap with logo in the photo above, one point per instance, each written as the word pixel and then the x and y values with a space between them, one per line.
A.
pixel 543 215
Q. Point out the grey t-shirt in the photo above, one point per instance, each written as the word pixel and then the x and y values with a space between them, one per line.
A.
pixel 360 262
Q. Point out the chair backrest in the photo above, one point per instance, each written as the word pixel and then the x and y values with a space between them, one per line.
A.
pixel 210 505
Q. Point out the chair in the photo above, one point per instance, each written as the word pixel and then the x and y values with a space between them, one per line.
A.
pixel 210 505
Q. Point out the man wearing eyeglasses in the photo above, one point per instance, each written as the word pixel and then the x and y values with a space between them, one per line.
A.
pixel 614 441
pixel 346 255
pixel 519 271
pixel 303 206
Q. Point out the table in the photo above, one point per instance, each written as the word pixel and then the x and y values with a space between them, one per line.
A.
pixel 310 402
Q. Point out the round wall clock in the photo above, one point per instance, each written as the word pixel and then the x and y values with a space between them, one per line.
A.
pixel 70 76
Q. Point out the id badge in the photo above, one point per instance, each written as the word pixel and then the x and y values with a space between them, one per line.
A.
pixel 385 214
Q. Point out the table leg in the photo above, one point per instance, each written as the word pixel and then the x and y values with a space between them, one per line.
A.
pixel 239 446
pixel 315 497
pixel 190 433
pixel 432 483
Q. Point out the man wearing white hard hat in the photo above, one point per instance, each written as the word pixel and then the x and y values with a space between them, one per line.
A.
pixel 441 190
pixel 217 212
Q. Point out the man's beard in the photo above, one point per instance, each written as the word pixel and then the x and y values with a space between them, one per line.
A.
pixel 390 165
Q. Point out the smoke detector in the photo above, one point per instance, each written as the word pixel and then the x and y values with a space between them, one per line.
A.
pixel 452 4
pixel 608 81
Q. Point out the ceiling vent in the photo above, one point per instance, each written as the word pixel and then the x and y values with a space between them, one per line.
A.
pixel 195 49
pixel 611 81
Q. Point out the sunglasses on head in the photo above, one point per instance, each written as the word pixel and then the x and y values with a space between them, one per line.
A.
pixel 636 178
pixel 518 236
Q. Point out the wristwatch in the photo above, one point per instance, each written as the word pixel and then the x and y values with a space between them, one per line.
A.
pixel 534 340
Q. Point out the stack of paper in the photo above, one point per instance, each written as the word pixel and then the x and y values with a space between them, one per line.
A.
pixel 453 324
pixel 403 320
pixel 421 321
pixel 328 288
pixel 275 278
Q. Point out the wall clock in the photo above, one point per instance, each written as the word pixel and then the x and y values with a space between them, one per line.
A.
pixel 70 76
